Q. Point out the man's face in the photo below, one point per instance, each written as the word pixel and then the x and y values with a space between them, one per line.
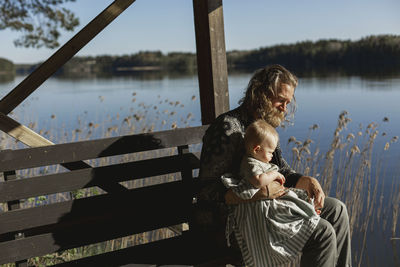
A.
pixel 278 105
pixel 283 98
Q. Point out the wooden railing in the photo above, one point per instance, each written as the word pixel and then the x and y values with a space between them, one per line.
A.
pixel 28 231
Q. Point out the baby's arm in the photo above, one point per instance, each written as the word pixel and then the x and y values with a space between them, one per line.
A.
pixel 264 179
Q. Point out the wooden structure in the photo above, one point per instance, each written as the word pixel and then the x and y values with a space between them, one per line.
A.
pixel 37 231
pixel 45 229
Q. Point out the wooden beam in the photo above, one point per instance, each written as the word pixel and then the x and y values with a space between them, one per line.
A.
pixel 211 58
pixel 62 55
pixel 22 133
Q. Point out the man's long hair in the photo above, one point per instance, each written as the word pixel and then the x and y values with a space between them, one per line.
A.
pixel 264 85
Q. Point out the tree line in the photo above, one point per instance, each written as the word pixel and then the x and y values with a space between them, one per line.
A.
pixel 370 55
pixel 143 61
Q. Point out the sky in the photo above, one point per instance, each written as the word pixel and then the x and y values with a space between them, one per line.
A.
pixel 167 25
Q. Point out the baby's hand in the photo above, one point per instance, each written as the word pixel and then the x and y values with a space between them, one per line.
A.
pixel 280 178
pixel 265 179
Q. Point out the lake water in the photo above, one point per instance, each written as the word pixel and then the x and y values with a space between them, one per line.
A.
pixel 76 109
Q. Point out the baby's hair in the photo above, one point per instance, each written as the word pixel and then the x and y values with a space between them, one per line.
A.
pixel 257 132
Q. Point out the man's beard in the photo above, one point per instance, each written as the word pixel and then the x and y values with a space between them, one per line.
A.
pixel 272 115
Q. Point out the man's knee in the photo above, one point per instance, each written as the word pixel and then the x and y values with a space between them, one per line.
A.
pixel 325 234
pixel 334 211
pixel 321 248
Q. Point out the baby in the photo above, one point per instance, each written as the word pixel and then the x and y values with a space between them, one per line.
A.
pixel 276 227
pixel 260 142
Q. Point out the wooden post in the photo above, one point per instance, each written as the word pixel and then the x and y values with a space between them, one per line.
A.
pixel 211 58
pixel 14 205
pixel 186 175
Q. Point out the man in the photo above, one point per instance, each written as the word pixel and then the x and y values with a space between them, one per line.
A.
pixel 268 95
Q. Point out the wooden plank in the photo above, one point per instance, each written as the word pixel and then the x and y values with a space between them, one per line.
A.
pixel 18 221
pixel 211 58
pixel 21 132
pixel 62 55
pixel 146 208
pixel 85 178
pixel 72 152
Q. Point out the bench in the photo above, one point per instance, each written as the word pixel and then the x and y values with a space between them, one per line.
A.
pixel 108 189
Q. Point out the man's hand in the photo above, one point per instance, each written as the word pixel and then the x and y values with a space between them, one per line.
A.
pixel 280 178
pixel 314 190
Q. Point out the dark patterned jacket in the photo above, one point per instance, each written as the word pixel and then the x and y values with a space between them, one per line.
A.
pixel 223 150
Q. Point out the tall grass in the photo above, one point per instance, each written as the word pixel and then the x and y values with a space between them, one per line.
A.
pixel 353 168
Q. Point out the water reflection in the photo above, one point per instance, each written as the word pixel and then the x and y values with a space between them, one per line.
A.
pixel 129 75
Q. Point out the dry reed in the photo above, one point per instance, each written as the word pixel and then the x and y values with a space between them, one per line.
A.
pixel 352 171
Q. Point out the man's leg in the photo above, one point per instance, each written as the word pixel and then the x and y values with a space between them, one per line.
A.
pixel 320 249
pixel 335 212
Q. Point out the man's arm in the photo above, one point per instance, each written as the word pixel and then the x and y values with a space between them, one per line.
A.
pixel 298 180
pixel 221 153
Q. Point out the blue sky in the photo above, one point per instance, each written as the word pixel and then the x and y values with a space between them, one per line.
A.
pixel 167 25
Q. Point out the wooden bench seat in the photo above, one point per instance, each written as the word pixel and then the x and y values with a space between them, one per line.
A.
pixel 28 231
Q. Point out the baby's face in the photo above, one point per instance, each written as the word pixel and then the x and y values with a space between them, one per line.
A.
pixel 266 148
